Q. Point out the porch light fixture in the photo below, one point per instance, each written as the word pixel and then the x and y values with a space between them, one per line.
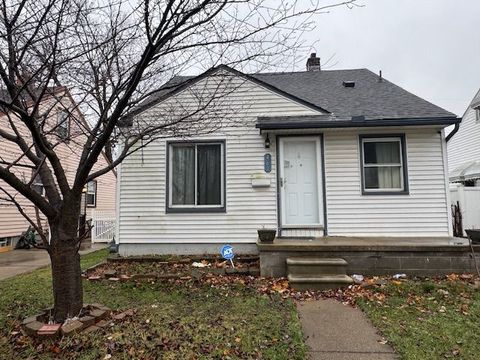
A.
pixel 267 142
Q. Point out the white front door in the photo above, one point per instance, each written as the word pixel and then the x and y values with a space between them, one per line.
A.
pixel 300 179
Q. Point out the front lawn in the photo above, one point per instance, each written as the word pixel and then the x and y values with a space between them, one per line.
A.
pixel 242 318
pixel 428 319
pixel 173 321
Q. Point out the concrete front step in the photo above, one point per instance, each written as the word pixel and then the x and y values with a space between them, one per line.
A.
pixel 322 282
pixel 316 266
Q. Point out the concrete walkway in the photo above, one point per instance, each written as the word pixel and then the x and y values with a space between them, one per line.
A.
pixel 17 262
pixel 338 332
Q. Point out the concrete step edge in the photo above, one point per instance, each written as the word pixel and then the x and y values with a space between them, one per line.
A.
pixel 316 261
pixel 316 274
pixel 337 279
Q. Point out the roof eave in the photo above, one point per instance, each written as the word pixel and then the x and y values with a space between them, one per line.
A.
pixel 331 124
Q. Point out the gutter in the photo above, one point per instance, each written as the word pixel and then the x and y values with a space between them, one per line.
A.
pixel 354 123
pixel 453 132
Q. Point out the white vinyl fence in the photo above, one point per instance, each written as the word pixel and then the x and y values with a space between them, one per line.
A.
pixel 469 200
pixel 103 226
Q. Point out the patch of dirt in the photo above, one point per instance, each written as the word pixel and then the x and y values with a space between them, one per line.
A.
pixel 180 267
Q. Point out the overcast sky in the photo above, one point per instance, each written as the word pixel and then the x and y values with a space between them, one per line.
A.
pixel 429 47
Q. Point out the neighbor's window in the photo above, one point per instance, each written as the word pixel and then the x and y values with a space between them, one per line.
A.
pixel 63 125
pixel 91 195
pixel 196 176
pixel 477 113
pixel 383 165
pixel 37 185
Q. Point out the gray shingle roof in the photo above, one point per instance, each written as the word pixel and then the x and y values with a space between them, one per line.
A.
pixel 370 97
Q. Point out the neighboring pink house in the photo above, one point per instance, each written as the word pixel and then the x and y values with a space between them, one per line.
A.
pixel 101 193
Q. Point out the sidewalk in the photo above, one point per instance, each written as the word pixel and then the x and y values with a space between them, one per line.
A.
pixel 338 332
pixel 17 262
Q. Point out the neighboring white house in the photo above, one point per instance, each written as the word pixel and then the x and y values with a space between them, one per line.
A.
pixel 312 153
pixel 464 164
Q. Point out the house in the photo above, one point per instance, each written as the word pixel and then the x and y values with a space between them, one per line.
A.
pixel 464 164
pixel 100 194
pixel 331 159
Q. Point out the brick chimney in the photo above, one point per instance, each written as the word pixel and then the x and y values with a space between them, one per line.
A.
pixel 313 63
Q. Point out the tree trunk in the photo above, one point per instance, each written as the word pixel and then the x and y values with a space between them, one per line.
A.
pixel 67 281
pixel 65 260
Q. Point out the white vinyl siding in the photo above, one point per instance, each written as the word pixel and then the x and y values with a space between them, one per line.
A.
pixel 464 146
pixel 142 215
pixel 423 212
pixel 142 183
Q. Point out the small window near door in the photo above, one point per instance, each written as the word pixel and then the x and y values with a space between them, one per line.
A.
pixel 383 165
pixel 91 195
pixel 196 178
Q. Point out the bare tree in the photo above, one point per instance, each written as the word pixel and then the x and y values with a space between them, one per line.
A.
pixel 88 65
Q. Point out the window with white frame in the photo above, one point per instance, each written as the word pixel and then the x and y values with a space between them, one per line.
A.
pixel 383 164
pixel 196 178
pixel 91 194
pixel 477 113
pixel 63 125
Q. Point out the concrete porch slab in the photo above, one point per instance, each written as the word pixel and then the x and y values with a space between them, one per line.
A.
pixel 365 243
pixel 422 256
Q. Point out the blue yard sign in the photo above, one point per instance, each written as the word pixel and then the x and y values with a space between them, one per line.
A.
pixel 227 253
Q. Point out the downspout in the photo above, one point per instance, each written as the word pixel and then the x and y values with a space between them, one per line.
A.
pixel 453 132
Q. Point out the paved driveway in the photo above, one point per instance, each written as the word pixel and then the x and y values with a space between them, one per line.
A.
pixel 22 261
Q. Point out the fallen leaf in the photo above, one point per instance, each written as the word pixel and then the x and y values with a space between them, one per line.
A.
pixel 55 349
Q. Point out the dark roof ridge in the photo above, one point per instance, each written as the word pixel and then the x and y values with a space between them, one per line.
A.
pixel 189 76
pixel 302 71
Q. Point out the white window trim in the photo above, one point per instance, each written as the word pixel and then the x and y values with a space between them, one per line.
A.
pixel 222 175
pixel 400 164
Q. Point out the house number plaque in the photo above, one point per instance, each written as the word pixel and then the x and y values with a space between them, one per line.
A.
pixel 267 163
